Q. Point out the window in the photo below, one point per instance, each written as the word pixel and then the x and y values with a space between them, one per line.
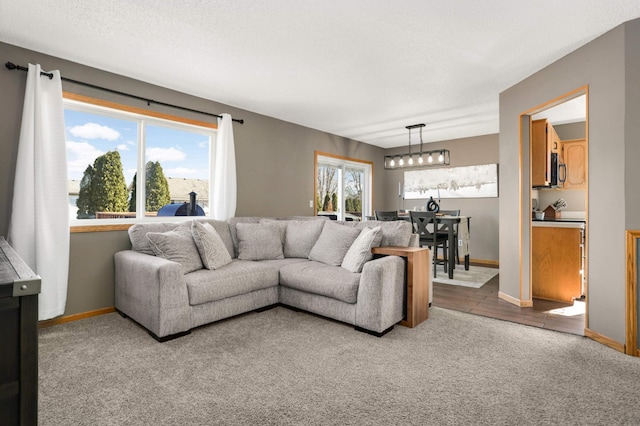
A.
pixel 343 187
pixel 126 163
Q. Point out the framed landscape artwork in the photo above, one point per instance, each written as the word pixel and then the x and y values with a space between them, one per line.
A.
pixel 480 181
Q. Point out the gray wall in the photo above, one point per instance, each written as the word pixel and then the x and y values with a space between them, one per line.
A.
pixel 483 211
pixel 571 131
pixel 609 66
pixel 275 162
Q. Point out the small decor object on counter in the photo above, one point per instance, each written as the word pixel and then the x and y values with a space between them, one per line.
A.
pixel 550 213
pixel 539 215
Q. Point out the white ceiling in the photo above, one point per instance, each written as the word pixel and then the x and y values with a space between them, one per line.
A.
pixel 571 111
pixel 360 69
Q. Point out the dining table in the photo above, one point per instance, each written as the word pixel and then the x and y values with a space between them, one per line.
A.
pixel 449 222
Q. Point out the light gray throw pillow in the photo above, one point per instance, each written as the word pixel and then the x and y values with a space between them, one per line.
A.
pixel 177 246
pixel 259 241
pixel 281 224
pixel 394 233
pixel 360 251
pixel 301 236
pixel 213 252
pixel 333 243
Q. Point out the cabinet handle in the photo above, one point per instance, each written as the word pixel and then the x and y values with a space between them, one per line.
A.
pixel 563 168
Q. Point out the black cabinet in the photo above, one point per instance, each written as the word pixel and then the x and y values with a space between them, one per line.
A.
pixel 19 288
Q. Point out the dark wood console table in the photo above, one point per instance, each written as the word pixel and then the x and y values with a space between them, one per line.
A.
pixel 19 288
pixel 416 281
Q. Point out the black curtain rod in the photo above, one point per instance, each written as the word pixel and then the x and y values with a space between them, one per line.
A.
pixel 12 66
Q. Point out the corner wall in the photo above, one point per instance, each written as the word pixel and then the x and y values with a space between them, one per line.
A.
pixel 600 64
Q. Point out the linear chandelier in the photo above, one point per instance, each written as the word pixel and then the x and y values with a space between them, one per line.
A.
pixel 436 157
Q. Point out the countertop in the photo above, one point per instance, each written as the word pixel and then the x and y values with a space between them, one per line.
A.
pixel 559 223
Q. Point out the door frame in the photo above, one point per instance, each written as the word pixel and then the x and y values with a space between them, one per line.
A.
pixel 526 297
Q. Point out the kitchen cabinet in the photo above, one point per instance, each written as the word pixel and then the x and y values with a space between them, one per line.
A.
pixel 544 142
pixel 574 153
pixel 556 261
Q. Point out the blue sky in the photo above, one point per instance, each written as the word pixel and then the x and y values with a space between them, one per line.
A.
pixel 182 154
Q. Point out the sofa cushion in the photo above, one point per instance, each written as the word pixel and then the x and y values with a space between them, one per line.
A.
pixel 301 236
pixel 280 224
pixel 213 252
pixel 333 243
pixel 138 234
pixel 234 231
pixel 177 245
pixel 236 278
pixel 319 278
pixel 360 250
pixel 222 227
pixel 394 233
pixel 259 241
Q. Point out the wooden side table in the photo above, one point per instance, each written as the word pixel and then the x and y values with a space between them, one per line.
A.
pixel 416 281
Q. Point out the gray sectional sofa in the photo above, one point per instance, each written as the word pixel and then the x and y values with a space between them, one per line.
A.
pixel 181 275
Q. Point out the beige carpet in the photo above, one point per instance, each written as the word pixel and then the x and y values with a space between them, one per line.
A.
pixel 475 277
pixel 282 367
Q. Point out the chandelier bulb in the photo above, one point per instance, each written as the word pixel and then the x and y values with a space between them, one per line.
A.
pixel 430 158
pixel 441 157
pixel 392 162
pixel 420 160
pixel 401 162
pixel 410 161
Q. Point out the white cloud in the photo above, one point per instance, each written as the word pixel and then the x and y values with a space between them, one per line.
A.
pixel 123 147
pixel 79 156
pixel 180 172
pixel 203 144
pixel 94 131
pixel 165 154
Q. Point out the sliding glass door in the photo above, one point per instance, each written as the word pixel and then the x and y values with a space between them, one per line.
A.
pixel 343 187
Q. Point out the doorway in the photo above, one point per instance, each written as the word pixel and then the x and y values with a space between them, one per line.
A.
pixel 555 136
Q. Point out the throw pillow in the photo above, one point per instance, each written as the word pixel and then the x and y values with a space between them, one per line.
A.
pixel 360 251
pixel 213 252
pixel 259 241
pixel 333 243
pixel 301 236
pixel 281 224
pixel 394 233
pixel 178 246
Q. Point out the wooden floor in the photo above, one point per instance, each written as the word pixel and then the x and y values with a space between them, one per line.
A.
pixel 484 301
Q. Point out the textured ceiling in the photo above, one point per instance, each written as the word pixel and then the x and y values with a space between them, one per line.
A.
pixel 359 69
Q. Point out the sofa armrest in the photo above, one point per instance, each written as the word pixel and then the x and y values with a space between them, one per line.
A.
pixel 380 294
pixel 152 291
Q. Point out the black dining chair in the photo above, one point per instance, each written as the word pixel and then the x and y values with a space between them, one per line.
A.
pixel 443 229
pixel 421 222
pixel 386 215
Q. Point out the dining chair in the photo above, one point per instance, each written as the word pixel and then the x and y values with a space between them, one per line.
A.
pixel 443 229
pixel 386 215
pixel 421 221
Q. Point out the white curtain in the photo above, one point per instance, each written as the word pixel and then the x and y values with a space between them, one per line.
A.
pixel 39 227
pixel 224 181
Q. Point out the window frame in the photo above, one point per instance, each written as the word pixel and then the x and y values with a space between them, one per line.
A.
pixel 344 163
pixel 121 111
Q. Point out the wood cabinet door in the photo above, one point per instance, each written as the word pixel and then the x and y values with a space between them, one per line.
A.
pixel 539 153
pixel 575 157
pixel 555 266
